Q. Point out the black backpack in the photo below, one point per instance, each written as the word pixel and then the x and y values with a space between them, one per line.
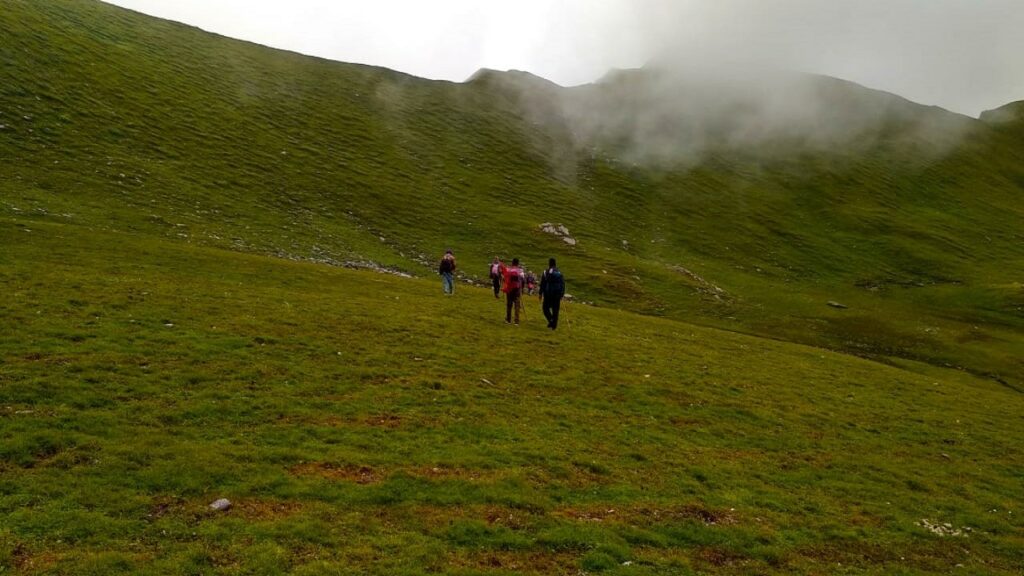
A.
pixel 447 263
pixel 554 284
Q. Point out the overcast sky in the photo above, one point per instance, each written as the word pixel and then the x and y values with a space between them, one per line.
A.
pixel 964 55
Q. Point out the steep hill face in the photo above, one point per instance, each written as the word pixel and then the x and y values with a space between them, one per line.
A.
pixel 744 203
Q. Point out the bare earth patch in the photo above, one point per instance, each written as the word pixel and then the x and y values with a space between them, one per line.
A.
pixel 529 562
pixel 266 508
pixel 346 472
pixel 644 515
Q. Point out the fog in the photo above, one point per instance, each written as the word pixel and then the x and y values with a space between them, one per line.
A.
pixel 674 114
pixel 959 54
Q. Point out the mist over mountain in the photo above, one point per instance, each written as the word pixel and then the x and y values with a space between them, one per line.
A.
pixel 672 116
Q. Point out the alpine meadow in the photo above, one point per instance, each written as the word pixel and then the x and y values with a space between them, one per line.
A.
pixel 793 343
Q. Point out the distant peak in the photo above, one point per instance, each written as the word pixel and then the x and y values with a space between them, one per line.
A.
pixel 1012 112
pixel 517 76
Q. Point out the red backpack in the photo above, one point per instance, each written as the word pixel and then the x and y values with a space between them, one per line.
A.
pixel 513 279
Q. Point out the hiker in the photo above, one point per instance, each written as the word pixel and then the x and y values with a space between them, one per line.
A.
pixel 497 271
pixel 552 289
pixel 513 287
pixel 447 271
pixel 531 283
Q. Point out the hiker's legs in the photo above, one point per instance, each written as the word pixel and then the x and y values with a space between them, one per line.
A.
pixel 448 283
pixel 546 307
pixel 554 312
pixel 509 302
pixel 496 281
pixel 517 296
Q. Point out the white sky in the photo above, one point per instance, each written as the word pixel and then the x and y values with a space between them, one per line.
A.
pixel 964 55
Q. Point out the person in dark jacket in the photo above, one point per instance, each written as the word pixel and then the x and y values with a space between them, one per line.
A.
pixel 447 271
pixel 552 289
pixel 497 272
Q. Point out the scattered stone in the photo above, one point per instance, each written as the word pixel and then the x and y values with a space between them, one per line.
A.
pixel 169 325
pixel 943 529
pixel 558 230
pixel 706 287
pixel 221 505
pixel 835 304
pixel 486 381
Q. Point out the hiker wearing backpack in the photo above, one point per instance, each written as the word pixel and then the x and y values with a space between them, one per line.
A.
pixel 497 271
pixel 552 289
pixel 513 289
pixel 447 271
pixel 531 282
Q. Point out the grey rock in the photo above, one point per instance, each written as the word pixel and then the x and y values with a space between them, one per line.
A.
pixel 835 304
pixel 221 505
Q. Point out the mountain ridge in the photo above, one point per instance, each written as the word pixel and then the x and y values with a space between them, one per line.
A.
pixel 610 71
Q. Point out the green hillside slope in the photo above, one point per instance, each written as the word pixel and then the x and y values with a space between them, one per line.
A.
pixel 178 211
pixel 364 424
pixel 910 216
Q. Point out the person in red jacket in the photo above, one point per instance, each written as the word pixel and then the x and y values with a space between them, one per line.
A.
pixel 513 289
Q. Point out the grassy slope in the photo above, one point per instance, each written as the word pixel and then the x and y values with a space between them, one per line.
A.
pixel 321 400
pixel 124 122
pixel 363 423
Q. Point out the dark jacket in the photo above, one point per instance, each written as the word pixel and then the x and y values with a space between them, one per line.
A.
pixel 447 264
pixel 552 286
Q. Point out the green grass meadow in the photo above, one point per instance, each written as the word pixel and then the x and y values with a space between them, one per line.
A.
pixel 363 423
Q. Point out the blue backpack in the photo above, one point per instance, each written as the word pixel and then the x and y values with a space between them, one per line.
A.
pixel 554 284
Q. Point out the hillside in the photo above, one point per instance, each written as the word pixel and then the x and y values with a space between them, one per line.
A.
pixel 186 218
pixel 1012 113
pixel 907 214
